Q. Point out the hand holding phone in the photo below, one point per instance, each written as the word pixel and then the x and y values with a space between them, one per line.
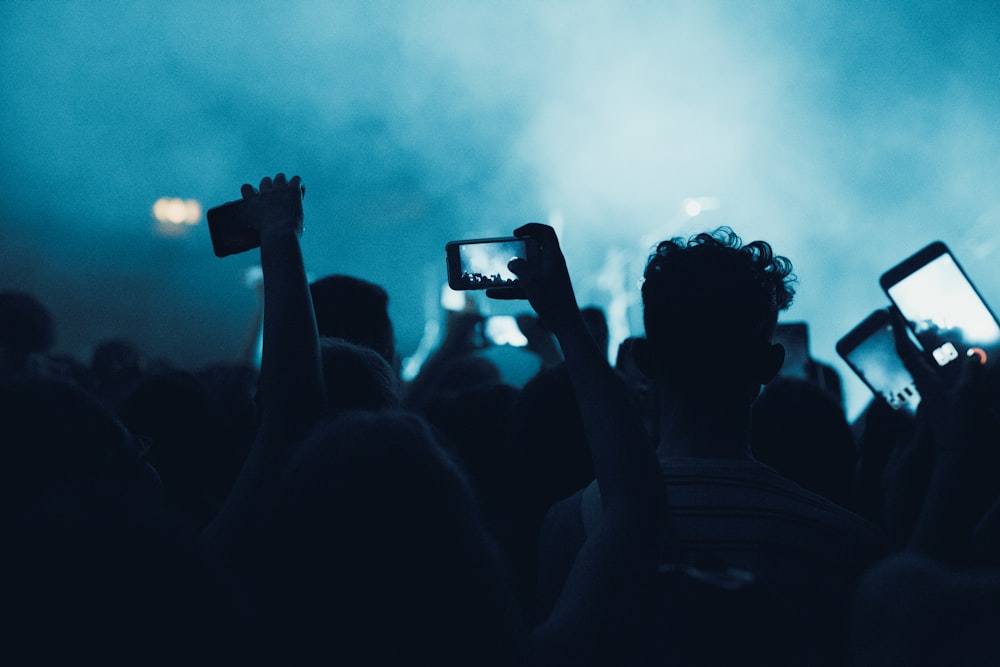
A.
pixel 542 277
pixel 942 307
pixel 958 409
pixel 235 226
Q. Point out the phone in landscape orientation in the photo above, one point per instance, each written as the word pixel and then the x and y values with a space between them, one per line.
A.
pixel 794 337
pixel 869 349
pixel 477 264
pixel 230 232
pixel 943 308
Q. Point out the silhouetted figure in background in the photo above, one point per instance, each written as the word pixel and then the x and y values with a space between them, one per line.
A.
pixel 880 433
pixel 374 553
pixel 117 365
pixel 94 570
pixel 800 430
pixel 191 448
pixel 641 387
pixel 357 377
pixel 27 328
pixel 356 310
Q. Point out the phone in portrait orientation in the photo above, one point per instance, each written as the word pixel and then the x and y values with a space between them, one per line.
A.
pixel 478 264
pixel 942 307
pixel 869 349
pixel 230 232
pixel 794 337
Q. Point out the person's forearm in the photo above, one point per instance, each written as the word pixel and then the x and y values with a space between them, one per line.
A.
pixel 292 391
pixel 622 460
pixel 291 388
pixel 944 526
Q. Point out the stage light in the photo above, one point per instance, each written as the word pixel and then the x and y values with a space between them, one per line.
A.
pixel 453 300
pixel 177 211
pixel 695 206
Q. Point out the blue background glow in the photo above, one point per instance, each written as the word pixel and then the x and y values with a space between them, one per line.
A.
pixel 848 134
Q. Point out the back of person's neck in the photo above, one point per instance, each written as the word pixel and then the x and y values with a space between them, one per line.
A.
pixel 701 430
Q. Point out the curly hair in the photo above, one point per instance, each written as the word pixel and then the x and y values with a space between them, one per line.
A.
pixel 728 285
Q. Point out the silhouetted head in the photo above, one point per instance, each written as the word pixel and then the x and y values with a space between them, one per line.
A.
pixel 710 309
pixel 93 566
pixel 65 453
pixel 116 364
pixel 357 311
pixel 357 377
pixel 375 551
pixel 801 431
pixel 186 424
pixel 26 327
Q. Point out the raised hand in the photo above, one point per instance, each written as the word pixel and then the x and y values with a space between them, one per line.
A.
pixel 952 402
pixel 277 205
pixel 963 432
pixel 543 276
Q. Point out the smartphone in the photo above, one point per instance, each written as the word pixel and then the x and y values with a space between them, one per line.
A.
pixel 869 349
pixel 230 232
pixel 794 337
pixel 477 264
pixel 942 307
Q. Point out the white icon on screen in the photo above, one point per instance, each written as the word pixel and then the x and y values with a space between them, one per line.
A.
pixel 945 353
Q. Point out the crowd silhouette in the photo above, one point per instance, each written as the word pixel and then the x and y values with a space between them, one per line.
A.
pixel 686 505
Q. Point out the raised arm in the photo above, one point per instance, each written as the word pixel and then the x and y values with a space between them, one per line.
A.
pixel 963 435
pixel 614 564
pixel 291 392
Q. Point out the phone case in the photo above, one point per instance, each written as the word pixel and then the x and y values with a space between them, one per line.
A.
pixel 229 231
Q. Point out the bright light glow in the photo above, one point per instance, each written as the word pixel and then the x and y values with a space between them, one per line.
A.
pixel 453 299
pixel 253 277
pixel 503 330
pixel 557 221
pixel 692 207
pixel 176 211
pixel 193 209
pixel 695 206
pixel 412 364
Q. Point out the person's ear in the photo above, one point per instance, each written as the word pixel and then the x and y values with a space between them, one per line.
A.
pixel 642 354
pixel 771 361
